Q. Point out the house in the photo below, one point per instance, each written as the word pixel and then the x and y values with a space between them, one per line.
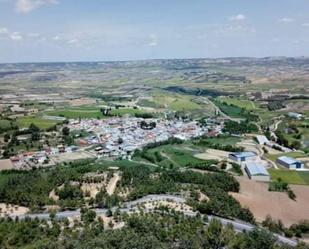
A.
pixel 242 156
pixel 257 172
pixel 290 163
pixel 262 140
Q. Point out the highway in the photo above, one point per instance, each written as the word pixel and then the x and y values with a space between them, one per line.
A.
pixel 130 207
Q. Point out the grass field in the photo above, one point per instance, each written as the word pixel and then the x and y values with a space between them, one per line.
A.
pixel 5 124
pixel 170 156
pixel 246 104
pixel 176 102
pixel 224 140
pixel 75 113
pixel 291 177
pixel 25 122
pixel 123 111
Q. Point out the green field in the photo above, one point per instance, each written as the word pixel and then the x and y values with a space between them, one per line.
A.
pixel 5 124
pixel 75 113
pixel 124 111
pixel 291 177
pixel 224 140
pixel 25 122
pixel 176 102
pixel 246 104
pixel 175 155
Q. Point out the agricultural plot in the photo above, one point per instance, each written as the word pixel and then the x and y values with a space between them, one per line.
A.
pixel 75 113
pixel 130 111
pixel 5 124
pixel 224 140
pixel 278 205
pixel 246 104
pixel 176 102
pixel 291 177
pixel 169 156
pixel 230 110
pixel 25 122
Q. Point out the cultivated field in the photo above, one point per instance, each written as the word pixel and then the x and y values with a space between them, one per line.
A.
pixel 291 177
pixel 278 205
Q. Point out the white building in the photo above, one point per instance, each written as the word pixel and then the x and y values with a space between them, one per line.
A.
pixel 257 172
pixel 242 156
pixel 290 163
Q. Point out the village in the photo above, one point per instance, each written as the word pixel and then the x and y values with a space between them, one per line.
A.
pixel 111 138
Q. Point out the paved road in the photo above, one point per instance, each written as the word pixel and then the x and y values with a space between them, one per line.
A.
pixel 129 207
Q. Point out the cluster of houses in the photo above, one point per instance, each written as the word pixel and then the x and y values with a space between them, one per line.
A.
pixel 33 159
pixel 119 137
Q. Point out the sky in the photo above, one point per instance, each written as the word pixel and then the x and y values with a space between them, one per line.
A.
pixel 104 30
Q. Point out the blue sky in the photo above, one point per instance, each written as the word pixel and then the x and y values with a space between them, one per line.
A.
pixel 80 30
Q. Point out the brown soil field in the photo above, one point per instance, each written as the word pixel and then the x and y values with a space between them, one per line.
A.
pixel 82 101
pixel 261 202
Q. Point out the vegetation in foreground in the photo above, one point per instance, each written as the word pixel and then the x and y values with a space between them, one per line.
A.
pixel 142 231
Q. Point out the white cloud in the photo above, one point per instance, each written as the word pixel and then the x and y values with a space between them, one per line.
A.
pixel 239 17
pixel 33 35
pixel 72 41
pixel 16 36
pixel 56 38
pixel 286 20
pixel 153 41
pixel 26 6
pixel 276 40
pixel 3 31
pixel 305 24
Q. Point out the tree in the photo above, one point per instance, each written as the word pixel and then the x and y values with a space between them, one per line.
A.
pixel 7 137
pixel 65 131
pixel 88 215
pixel 214 234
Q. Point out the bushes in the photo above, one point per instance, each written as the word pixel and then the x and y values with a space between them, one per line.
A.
pixel 280 186
pixel 233 127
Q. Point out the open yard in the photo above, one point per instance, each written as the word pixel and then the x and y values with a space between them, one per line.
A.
pixel 278 205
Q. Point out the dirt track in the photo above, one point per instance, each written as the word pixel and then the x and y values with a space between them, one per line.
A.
pixel 261 202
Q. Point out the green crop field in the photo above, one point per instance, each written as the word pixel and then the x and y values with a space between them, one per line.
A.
pixel 169 155
pixel 224 140
pixel 291 177
pixel 123 111
pixel 25 122
pixel 75 113
pixel 176 102
pixel 246 104
pixel 5 124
